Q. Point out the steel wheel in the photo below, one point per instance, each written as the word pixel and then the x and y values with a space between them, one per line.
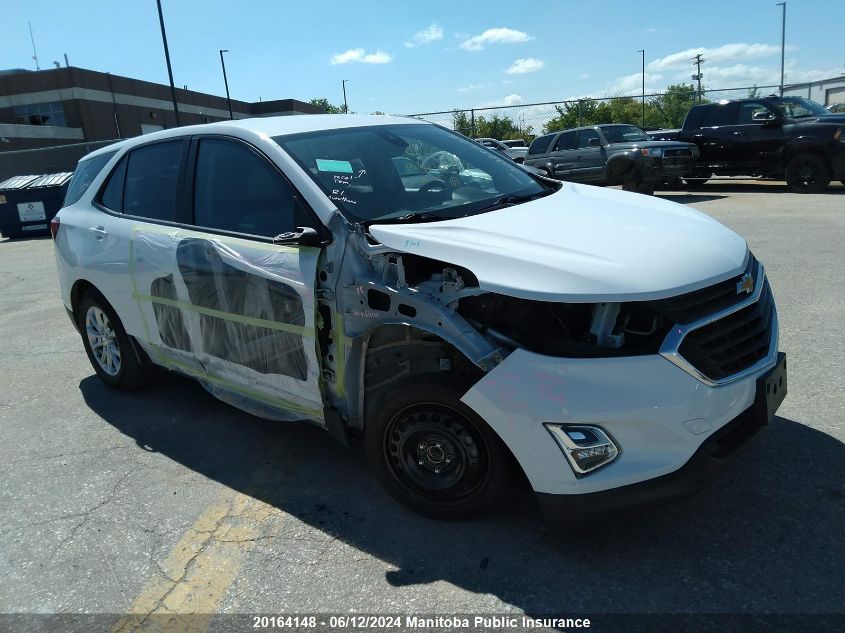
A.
pixel 436 453
pixel 807 173
pixel 103 340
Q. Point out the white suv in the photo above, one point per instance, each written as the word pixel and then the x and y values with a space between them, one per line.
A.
pixel 308 268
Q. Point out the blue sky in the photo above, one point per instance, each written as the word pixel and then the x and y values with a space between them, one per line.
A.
pixel 418 57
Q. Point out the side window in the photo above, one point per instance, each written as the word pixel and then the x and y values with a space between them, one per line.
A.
pixel 747 112
pixel 112 196
pixel 719 115
pixel 152 174
pixel 565 141
pixel 584 137
pixel 540 145
pixel 237 190
pixel 84 174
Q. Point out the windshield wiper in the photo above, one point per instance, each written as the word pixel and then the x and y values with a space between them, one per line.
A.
pixel 512 199
pixel 409 218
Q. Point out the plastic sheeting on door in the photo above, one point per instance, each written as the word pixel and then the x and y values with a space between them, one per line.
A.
pixel 237 315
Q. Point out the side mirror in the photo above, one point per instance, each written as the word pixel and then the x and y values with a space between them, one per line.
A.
pixel 594 142
pixel 762 117
pixel 302 236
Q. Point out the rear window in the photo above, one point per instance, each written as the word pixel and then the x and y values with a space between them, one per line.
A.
pixel 718 115
pixel 540 145
pixel 84 174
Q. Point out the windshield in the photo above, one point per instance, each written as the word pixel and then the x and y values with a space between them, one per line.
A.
pixel 408 172
pixel 799 107
pixel 623 133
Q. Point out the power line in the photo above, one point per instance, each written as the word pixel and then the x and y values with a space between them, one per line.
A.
pixel 698 60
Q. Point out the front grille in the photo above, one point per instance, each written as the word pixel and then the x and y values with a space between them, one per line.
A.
pixel 678 152
pixel 693 306
pixel 733 343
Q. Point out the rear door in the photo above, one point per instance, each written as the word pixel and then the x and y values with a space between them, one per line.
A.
pixel 563 155
pixel 218 300
pixel 715 137
pixel 589 165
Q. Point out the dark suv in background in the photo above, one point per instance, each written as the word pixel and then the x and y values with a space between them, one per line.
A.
pixel 788 138
pixel 611 155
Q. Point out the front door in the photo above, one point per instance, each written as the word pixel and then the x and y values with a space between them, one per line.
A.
pixel 220 301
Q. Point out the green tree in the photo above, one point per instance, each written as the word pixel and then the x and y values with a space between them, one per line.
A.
pixel 671 107
pixel 461 123
pixel 327 107
pixel 497 126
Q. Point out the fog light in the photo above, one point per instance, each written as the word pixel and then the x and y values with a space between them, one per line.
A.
pixel 586 447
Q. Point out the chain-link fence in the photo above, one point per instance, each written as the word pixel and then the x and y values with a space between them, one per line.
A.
pixel 45 160
pixel 526 121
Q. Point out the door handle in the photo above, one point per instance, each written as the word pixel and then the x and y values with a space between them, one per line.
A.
pixel 98 231
pixel 739 133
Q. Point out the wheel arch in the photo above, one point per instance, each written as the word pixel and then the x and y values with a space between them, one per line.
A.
pixel 78 290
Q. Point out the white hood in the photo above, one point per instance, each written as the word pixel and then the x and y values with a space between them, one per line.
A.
pixel 581 244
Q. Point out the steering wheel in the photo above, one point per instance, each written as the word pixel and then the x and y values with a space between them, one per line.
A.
pixel 434 185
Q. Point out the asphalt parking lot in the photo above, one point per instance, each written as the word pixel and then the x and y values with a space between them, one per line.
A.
pixel 167 500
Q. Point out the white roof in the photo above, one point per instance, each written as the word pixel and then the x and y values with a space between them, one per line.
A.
pixel 268 127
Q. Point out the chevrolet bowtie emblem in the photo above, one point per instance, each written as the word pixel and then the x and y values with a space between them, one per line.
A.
pixel 746 284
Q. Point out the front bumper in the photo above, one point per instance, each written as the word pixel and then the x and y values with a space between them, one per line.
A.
pixel 580 511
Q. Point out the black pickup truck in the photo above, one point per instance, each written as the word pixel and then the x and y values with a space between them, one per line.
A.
pixel 789 138
pixel 611 154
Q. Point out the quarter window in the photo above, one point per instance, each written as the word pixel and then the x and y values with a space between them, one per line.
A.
pixel 112 197
pixel 237 190
pixel 152 175
pixel 84 174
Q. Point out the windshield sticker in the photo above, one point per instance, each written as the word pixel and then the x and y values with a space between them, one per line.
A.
pixel 342 166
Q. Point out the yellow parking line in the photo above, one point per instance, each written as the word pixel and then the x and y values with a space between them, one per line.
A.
pixel 202 565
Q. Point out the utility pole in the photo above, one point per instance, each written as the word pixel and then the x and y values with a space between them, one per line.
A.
pixel 345 105
pixel 782 41
pixel 167 59
pixel 698 60
pixel 226 81
pixel 643 121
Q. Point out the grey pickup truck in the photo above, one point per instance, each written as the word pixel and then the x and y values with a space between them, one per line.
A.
pixel 611 154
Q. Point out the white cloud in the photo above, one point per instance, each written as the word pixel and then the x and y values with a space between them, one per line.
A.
pixel 727 52
pixel 429 34
pixel 471 87
pixel 525 65
pixel 633 84
pixel 362 56
pixel 494 36
pixel 509 100
pixel 584 76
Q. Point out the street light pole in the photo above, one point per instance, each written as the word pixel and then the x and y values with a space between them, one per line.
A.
pixel 643 121
pixel 782 41
pixel 345 106
pixel 167 59
pixel 226 81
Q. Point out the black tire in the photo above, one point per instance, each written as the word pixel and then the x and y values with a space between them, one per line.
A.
pixel 695 183
pixel 129 372
pixel 463 459
pixel 636 184
pixel 807 173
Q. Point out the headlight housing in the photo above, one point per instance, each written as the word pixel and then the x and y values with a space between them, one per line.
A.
pixel 586 447
pixel 654 152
